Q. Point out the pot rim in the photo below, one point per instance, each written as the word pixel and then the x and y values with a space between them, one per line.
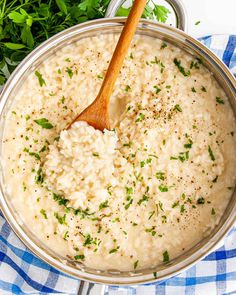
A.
pixel 132 277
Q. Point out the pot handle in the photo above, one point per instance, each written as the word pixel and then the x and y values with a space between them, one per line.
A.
pixel 87 288
pixel 177 5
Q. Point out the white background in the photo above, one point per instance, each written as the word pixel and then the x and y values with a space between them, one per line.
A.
pixel 216 16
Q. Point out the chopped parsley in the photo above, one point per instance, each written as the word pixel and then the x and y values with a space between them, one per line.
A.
pixel 129 190
pixel 178 108
pixel 79 257
pixel 89 240
pixel 182 209
pixel 66 236
pixel 96 154
pixel 61 200
pixel 211 153
pixel 181 68
pixel 157 89
pixel 189 144
pixel 39 177
pixel 163 188
pixel 103 205
pixel 36 155
pixel 44 123
pixel 155 274
pixel 196 63
pixel 114 250
pixel 151 230
pixel 203 89
pixel 136 264
pixel 183 156
pixel 200 200
pixel 160 175
pixel 142 164
pixel 43 212
pixel 163 45
pixel 151 214
pixel 213 212
pixel 219 100
pixel 175 204
pixel 144 199
pixel 140 118
pixel 40 78
pixel 127 88
pixel 61 219
pixel 193 89
pixel 69 72
pixel 166 256
pixel 130 201
pixel 197 23
pixel 160 205
pixel 128 144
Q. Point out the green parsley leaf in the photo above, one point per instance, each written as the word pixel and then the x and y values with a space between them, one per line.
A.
pixel 163 188
pixel 163 45
pixel 201 200
pixel 114 250
pixel 40 78
pixel 127 88
pixel 166 256
pixel 43 212
pixel 160 175
pixel 136 264
pixel 140 118
pixel 144 198
pixel 69 72
pixel 178 108
pixel 79 257
pixel 211 153
pixel 39 177
pixel 60 199
pixel 175 204
pixel 61 219
pixel 44 123
pixel 189 144
pixel 219 100
pixel 181 68
pixel 103 205
pixel 157 89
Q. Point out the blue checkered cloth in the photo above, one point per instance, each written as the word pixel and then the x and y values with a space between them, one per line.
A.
pixel 23 273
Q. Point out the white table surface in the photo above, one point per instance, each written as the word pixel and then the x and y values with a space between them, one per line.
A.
pixel 216 16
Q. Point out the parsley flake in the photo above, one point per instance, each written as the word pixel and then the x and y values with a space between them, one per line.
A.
pixel 166 256
pixel 44 123
pixel 40 78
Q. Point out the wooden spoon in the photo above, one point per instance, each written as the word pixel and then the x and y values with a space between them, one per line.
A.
pixel 97 114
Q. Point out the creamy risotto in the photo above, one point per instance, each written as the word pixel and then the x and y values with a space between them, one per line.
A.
pixel 140 194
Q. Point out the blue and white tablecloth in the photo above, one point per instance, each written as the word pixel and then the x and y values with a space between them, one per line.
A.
pixel 23 273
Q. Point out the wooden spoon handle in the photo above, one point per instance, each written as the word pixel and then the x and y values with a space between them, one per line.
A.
pixel 121 50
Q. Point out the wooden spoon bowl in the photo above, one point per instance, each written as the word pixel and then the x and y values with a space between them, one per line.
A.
pixel 97 114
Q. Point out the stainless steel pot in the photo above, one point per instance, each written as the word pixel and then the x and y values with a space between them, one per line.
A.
pixel 102 26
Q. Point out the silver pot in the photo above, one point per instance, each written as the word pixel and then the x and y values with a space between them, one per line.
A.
pixel 108 25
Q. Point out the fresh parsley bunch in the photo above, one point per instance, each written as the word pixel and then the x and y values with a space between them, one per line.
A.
pixel 24 24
